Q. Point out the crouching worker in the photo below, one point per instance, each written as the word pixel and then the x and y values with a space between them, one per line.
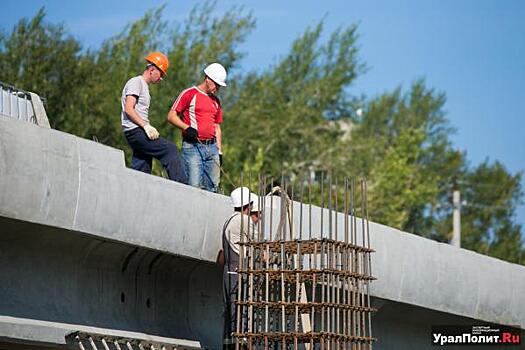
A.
pixel 142 137
pixel 239 227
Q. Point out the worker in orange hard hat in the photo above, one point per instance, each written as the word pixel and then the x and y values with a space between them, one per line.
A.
pixel 142 137
pixel 159 60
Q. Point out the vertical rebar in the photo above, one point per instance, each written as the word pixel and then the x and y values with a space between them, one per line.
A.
pixel 250 258
pixel 275 275
pixel 337 259
pixel 267 295
pixel 322 203
pixel 301 211
pixel 354 259
pixel 330 232
pixel 283 298
pixel 369 258
pixel 290 212
pixel 282 220
pixel 271 212
pixel 346 267
pixel 239 274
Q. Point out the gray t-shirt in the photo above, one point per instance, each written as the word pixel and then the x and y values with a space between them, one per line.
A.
pixel 138 87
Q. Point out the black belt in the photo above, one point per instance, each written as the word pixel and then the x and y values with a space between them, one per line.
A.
pixel 204 142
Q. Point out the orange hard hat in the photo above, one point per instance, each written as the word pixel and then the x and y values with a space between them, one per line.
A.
pixel 159 60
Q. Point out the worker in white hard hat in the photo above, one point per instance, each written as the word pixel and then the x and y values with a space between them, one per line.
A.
pixel 240 227
pixel 197 112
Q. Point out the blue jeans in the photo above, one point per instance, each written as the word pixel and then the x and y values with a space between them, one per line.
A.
pixel 144 150
pixel 202 165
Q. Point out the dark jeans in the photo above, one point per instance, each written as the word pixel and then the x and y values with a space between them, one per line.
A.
pixel 230 283
pixel 144 150
pixel 230 286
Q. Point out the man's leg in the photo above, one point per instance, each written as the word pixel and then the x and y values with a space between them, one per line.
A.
pixel 165 151
pixel 193 163
pixel 211 170
pixel 230 314
pixel 141 162
pixel 171 160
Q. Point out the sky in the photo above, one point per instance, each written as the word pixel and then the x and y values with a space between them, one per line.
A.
pixel 472 50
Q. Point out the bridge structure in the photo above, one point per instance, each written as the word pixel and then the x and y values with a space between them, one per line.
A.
pixel 91 248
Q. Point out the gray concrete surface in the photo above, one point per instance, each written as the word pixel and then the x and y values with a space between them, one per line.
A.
pixel 56 179
pixel 52 334
pixel 79 229
pixel 40 111
pixel 60 276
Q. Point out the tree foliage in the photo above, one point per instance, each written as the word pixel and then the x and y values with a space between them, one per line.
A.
pixel 295 116
pixel 284 114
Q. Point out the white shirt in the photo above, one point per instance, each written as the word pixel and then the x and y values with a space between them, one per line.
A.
pixel 233 230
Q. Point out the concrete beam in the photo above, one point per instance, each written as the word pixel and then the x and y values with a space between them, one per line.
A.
pixel 40 111
pixel 59 180
pixel 56 179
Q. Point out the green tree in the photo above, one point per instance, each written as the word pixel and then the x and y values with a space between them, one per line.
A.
pixel 295 117
pixel 492 195
pixel 281 118
pixel 398 183
pixel 402 141
pixel 402 145
pixel 83 88
pixel 41 57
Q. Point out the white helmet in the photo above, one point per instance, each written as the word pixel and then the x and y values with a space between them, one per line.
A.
pixel 241 196
pixel 217 73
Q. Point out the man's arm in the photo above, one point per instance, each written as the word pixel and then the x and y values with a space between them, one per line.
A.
pixel 174 119
pixel 129 108
pixel 218 137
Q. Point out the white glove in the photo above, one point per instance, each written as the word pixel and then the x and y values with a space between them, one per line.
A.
pixel 152 133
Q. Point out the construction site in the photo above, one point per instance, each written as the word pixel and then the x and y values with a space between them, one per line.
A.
pixel 85 266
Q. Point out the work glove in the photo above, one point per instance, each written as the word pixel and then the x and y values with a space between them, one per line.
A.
pixel 220 159
pixel 152 133
pixel 191 134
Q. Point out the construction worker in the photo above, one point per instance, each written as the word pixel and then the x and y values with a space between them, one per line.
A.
pixel 142 137
pixel 197 112
pixel 239 227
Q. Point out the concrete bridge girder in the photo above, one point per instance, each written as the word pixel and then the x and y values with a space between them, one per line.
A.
pixel 61 276
pixel 78 229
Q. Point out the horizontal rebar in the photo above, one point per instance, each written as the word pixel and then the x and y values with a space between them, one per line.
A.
pixel 313 290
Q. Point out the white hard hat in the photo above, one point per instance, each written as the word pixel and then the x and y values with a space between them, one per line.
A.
pixel 241 196
pixel 217 73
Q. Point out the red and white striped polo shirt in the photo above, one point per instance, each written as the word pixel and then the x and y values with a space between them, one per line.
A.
pixel 199 110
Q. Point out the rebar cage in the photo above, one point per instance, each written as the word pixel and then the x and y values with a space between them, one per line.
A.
pixel 305 270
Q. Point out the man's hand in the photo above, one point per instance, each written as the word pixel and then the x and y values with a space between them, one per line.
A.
pixel 191 133
pixel 152 133
pixel 220 159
